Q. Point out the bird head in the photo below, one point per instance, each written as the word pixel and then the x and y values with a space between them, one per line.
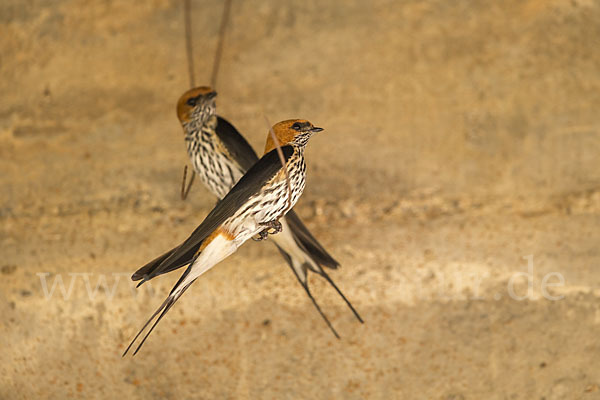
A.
pixel 295 132
pixel 196 104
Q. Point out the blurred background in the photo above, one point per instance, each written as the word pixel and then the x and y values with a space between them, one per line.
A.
pixel 457 182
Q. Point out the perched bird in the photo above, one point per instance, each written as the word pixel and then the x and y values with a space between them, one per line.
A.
pixel 220 156
pixel 254 205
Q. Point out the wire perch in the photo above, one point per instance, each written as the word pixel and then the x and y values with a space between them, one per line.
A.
pixel 184 190
pixel 283 165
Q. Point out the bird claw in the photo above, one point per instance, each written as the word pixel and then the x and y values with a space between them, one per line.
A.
pixel 262 235
pixel 274 226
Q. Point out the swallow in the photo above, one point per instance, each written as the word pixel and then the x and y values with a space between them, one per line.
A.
pixel 256 203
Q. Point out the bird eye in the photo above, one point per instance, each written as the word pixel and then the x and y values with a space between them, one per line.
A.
pixel 296 126
pixel 191 102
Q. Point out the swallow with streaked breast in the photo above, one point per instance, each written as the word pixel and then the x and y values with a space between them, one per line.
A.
pixel 220 156
pixel 255 204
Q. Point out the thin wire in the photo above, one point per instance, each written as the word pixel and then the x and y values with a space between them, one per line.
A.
pixel 187 19
pixel 283 164
pixel 185 191
pixel 219 50
pixel 187 16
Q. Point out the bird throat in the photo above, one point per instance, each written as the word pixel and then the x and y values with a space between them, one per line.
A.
pixel 201 122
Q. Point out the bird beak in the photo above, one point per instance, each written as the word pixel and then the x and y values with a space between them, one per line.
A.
pixel 211 95
pixel 316 129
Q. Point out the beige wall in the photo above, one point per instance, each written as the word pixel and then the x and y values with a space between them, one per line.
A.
pixel 460 136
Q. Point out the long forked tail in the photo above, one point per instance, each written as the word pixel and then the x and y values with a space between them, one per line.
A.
pixel 303 252
pixel 175 294
pixel 300 272
pixel 304 284
pixel 332 283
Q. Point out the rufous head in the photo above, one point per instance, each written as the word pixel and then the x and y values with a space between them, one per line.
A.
pixel 196 104
pixel 295 132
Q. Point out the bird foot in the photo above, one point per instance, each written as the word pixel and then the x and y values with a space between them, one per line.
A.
pixel 275 225
pixel 271 228
pixel 262 235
